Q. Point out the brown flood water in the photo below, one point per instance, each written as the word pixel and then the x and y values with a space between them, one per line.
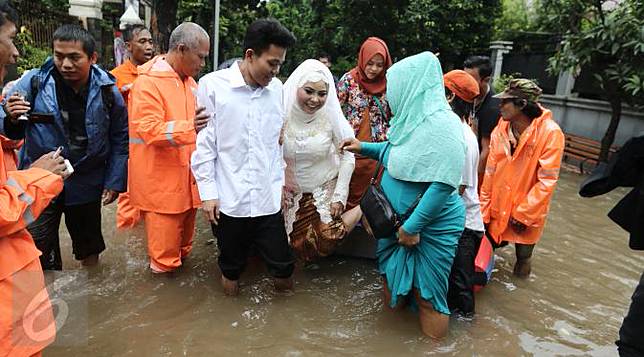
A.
pixel 573 304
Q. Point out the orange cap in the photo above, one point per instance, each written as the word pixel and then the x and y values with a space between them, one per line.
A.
pixel 462 84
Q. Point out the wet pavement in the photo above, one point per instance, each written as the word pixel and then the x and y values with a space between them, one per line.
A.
pixel 573 304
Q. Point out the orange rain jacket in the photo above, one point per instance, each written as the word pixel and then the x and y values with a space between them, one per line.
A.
pixel 9 148
pixel 125 75
pixel 521 185
pixel 162 138
pixel 23 196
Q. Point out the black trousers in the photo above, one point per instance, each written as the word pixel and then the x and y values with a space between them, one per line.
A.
pixel 84 225
pixel 266 234
pixel 631 334
pixel 460 294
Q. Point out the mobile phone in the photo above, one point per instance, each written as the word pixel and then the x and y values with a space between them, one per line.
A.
pixel 68 165
pixel 41 118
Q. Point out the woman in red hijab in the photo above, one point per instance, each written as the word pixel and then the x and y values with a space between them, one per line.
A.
pixel 361 92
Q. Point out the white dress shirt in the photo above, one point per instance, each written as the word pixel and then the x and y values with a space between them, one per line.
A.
pixel 238 159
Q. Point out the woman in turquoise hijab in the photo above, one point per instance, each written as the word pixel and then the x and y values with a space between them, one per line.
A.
pixel 424 156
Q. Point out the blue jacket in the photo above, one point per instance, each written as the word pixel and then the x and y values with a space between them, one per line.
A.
pixel 105 162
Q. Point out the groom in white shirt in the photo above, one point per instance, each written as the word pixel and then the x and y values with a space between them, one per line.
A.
pixel 238 160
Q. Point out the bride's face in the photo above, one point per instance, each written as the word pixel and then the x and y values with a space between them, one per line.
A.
pixel 312 96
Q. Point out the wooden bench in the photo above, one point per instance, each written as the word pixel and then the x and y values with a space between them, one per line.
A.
pixel 584 151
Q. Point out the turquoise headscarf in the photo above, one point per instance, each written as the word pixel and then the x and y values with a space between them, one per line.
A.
pixel 425 134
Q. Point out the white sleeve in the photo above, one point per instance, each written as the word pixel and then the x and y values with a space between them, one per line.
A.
pixel 342 130
pixel 470 169
pixel 203 158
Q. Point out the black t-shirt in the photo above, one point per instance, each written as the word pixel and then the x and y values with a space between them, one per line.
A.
pixel 487 115
pixel 72 108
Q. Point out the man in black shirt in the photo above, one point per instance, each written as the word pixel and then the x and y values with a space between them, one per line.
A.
pixel 486 110
pixel 82 111
pixel 72 109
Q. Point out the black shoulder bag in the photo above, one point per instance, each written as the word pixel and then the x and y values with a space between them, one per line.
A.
pixel 382 218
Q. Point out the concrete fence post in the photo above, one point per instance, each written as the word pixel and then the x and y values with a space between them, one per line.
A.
pixel 499 48
pixel 565 83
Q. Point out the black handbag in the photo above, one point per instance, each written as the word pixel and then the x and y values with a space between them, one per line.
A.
pixel 382 218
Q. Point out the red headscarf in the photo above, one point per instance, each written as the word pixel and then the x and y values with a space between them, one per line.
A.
pixel 371 47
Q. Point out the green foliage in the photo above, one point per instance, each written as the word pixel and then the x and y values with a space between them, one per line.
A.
pixel 235 16
pixel 338 27
pixel 516 16
pixel 31 56
pixel 607 38
pixel 61 5
pixel 611 43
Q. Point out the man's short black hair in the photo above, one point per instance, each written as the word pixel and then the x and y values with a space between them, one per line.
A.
pixel 75 33
pixel 7 13
pixel 482 63
pixel 324 55
pixel 263 33
pixel 131 31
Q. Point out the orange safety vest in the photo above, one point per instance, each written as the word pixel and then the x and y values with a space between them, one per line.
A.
pixel 520 185
pixel 162 139
pixel 125 75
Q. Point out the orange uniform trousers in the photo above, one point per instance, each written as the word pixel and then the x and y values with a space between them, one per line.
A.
pixel 127 216
pixel 26 320
pixel 169 238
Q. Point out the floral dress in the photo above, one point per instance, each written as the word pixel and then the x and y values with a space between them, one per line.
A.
pixel 358 106
pixel 354 101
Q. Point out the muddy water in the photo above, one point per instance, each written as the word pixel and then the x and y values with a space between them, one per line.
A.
pixel 583 277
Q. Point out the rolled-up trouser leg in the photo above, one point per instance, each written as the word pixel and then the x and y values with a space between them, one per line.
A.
pixel 631 334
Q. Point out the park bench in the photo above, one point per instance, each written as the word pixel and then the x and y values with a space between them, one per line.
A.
pixel 583 151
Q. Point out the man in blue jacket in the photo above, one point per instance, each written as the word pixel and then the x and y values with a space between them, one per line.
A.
pixel 72 103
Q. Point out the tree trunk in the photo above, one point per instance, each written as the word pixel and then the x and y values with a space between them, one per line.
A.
pixel 164 20
pixel 609 137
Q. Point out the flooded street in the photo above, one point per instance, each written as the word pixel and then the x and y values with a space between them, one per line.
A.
pixel 573 304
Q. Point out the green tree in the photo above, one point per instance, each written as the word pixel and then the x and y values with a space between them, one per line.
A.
pixel 516 16
pixel 164 20
pixel 31 56
pixel 338 27
pixel 607 38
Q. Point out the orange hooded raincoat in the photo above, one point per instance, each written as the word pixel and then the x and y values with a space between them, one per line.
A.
pixel 126 74
pixel 162 138
pixel 26 319
pixel 521 185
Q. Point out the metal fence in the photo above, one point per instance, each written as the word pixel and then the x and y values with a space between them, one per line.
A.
pixel 41 21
